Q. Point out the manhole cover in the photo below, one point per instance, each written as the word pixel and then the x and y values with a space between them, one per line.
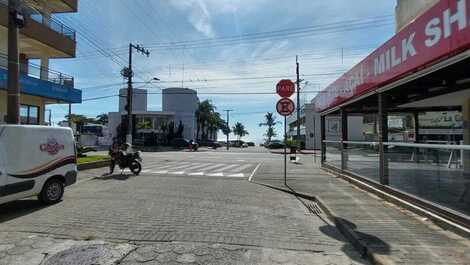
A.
pixel 90 254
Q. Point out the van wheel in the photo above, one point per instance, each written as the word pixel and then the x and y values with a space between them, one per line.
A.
pixel 52 191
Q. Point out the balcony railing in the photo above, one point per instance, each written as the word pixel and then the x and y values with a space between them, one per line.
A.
pixel 39 72
pixel 49 22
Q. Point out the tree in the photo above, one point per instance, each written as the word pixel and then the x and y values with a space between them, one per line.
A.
pixel 102 119
pixel 239 130
pixel 171 131
pixel 214 123
pixel 179 131
pixel 270 122
pixel 204 110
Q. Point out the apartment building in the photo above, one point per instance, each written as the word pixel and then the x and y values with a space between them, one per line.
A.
pixel 43 38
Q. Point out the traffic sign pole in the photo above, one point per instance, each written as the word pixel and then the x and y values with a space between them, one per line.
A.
pixel 285 150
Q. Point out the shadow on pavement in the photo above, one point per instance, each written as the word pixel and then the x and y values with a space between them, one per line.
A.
pixel 19 208
pixel 360 240
pixel 121 177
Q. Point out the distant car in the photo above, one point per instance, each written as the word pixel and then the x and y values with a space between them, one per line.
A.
pixel 244 145
pixel 275 144
pixel 210 144
pixel 236 143
pixel 179 143
pixel 250 144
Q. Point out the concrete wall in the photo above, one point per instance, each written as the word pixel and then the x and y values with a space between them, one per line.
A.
pixel 183 102
pixel 407 10
pixel 139 99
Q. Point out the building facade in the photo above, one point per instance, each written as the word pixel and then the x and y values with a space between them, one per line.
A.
pixel 151 127
pixel 415 110
pixel 43 38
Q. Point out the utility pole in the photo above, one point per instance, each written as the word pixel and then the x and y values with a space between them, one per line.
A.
pixel 15 21
pixel 298 100
pixel 228 126
pixel 128 73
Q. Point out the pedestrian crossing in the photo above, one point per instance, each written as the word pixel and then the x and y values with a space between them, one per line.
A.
pixel 188 168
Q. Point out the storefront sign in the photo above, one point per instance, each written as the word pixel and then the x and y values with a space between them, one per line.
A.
pixel 440 32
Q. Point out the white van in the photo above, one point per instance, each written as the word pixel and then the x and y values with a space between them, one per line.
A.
pixel 36 160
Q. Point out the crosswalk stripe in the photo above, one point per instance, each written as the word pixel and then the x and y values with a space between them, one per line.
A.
pixel 213 166
pixel 196 174
pixel 227 167
pixel 219 174
pixel 238 169
pixel 198 166
pixel 237 175
pixel 160 172
pixel 184 166
pixel 165 166
pixel 176 173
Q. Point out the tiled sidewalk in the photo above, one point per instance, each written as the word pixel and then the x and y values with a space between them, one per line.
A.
pixel 394 235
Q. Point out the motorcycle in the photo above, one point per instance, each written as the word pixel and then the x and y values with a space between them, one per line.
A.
pixel 131 160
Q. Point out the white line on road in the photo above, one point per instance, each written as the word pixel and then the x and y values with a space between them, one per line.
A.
pixel 254 171
pixel 198 166
pixel 185 166
pixel 176 173
pixel 196 174
pixel 227 167
pixel 214 166
pixel 220 174
pixel 241 168
pixel 159 172
pixel 236 175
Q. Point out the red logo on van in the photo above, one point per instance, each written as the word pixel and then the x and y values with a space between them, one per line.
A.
pixel 52 146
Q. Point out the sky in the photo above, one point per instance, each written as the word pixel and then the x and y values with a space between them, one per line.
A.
pixel 219 46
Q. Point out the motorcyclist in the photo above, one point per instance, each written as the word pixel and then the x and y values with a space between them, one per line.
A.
pixel 114 154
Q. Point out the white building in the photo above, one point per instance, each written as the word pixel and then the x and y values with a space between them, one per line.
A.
pixel 151 127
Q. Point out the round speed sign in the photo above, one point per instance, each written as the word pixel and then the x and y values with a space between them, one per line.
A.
pixel 285 106
pixel 285 88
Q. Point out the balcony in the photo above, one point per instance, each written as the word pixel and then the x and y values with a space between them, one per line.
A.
pixel 39 81
pixel 42 34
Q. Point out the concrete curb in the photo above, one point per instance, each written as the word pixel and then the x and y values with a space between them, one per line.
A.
pixel 343 227
pixel 91 165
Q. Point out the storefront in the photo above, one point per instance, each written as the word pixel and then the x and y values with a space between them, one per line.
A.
pixel 412 98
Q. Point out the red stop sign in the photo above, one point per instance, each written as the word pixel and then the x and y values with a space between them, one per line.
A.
pixel 285 88
pixel 285 106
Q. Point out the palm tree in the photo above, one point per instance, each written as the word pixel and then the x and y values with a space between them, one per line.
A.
pixel 203 112
pixel 102 119
pixel 214 123
pixel 270 122
pixel 239 130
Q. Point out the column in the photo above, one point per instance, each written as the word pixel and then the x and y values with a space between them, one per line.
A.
pixel 466 135
pixel 383 137
pixel 44 71
pixel 344 137
pixel 24 63
pixel 322 139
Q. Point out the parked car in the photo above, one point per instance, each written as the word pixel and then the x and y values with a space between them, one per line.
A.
pixel 250 144
pixel 236 143
pixel 179 143
pixel 275 144
pixel 36 160
pixel 211 144
pixel 244 145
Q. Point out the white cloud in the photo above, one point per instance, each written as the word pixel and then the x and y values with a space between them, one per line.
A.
pixel 199 15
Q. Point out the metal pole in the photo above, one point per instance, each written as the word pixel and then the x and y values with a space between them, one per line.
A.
pixel 314 141
pixel 383 137
pixel 69 120
pixel 298 100
pixel 50 117
pixel 228 127
pixel 285 150
pixel 129 98
pixel 13 98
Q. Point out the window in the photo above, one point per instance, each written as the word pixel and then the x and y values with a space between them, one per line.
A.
pixel 29 114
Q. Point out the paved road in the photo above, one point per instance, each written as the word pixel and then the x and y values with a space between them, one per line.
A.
pixel 192 197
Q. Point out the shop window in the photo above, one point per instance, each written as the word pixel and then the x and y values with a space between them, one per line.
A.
pixel 29 114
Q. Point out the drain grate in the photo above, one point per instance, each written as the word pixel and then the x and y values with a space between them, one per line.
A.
pixel 313 207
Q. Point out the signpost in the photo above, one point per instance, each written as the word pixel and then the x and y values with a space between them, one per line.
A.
pixel 285 107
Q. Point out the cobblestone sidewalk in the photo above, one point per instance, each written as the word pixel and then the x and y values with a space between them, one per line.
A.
pixel 34 249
